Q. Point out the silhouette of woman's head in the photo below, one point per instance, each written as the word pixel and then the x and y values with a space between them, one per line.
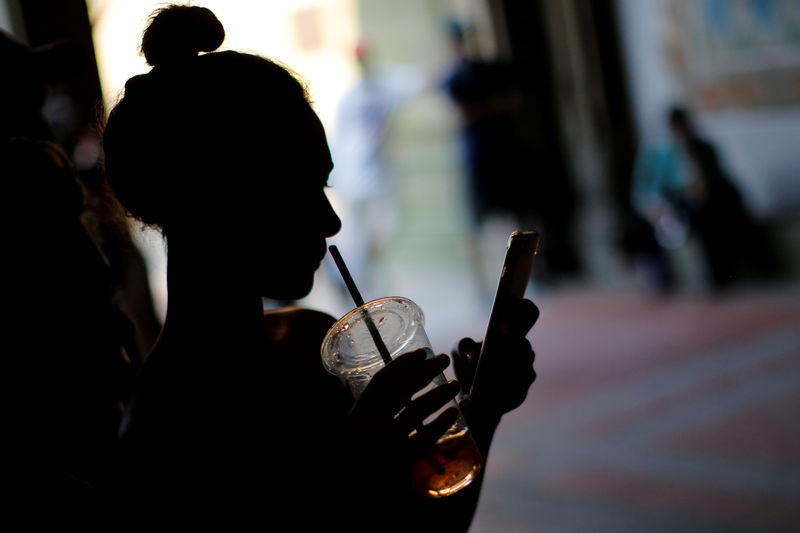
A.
pixel 222 146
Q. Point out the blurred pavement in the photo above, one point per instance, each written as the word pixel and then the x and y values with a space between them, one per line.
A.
pixel 675 414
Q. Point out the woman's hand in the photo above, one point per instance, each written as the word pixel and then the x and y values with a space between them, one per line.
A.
pixel 387 424
pixel 507 372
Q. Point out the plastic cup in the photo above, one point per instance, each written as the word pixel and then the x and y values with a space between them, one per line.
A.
pixel 350 351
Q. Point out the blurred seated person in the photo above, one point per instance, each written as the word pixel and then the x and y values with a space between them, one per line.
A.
pixel 681 189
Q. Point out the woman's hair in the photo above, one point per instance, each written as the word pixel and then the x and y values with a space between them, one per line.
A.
pixel 179 132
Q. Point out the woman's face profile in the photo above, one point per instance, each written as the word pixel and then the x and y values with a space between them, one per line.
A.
pixel 287 217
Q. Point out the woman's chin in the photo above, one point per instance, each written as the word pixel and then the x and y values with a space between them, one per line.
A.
pixel 289 289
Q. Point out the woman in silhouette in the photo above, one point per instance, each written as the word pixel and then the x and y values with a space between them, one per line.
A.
pixel 233 418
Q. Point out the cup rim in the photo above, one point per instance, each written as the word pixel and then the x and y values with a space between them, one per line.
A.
pixel 351 314
pixel 355 310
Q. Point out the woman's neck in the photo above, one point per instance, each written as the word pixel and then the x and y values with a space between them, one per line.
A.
pixel 207 300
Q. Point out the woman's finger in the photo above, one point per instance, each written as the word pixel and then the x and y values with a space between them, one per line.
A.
pixel 466 350
pixel 426 404
pixel 394 385
pixel 521 315
pixel 427 435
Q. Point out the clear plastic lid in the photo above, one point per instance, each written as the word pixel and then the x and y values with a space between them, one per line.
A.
pixel 349 345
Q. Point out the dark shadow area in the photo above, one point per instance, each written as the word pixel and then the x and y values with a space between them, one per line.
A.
pixel 67 289
pixel 71 374
pixel 53 93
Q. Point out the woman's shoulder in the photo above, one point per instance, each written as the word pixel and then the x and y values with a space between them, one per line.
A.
pixel 295 324
pixel 295 336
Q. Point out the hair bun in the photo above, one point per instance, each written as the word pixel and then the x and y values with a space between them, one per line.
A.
pixel 180 32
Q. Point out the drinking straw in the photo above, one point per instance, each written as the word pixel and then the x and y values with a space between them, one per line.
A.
pixel 373 330
pixel 359 301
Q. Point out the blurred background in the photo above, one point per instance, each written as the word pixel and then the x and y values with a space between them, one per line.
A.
pixel 668 348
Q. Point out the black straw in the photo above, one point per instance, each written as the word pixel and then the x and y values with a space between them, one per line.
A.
pixel 359 301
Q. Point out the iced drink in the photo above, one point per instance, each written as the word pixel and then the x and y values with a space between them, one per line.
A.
pixel 352 352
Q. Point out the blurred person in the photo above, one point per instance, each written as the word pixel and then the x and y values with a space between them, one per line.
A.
pixel 363 179
pixel 234 421
pixel 70 369
pixel 653 226
pixel 507 175
pixel 682 190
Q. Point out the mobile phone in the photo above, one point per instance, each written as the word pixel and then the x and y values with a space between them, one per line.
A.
pixel 521 249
